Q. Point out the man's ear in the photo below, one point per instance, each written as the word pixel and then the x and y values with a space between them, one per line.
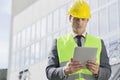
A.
pixel 70 18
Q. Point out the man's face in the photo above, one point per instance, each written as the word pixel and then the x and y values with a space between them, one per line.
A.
pixel 78 24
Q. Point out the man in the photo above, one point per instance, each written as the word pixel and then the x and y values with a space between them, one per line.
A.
pixel 61 65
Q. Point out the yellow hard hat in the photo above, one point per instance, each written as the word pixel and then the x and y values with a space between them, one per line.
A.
pixel 80 9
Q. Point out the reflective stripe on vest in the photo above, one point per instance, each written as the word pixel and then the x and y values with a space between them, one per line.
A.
pixel 65 47
pixel 80 77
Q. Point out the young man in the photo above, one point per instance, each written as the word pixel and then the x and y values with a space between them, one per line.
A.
pixel 61 66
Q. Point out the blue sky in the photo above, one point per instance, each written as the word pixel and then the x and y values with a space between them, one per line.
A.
pixel 5 15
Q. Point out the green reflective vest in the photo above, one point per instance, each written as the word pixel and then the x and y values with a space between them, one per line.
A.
pixel 65 47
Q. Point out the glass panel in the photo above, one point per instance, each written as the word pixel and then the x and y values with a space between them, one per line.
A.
pixel 38 25
pixel 50 24
pixel 22 58
pixel 43 27
pixel 13 62
pixel 32 58
pixel 49 44
pixel 56 20
pixel 14 43
pixel 102 2
pixel 17 60
pixel 56 35
pixel 113 18
pixel 93 24
pixel 103 23
pixel 69 30
pixel 23 38
pixel 63 32
pixel 33 32
pixel 37 51
pixel 28 34
pixel 63 16
pixel 43 49
pixel 93 5
pixel 18 40
pixel 27 57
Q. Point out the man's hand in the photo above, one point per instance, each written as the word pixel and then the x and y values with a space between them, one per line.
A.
pixel 72 66
pixel 93 66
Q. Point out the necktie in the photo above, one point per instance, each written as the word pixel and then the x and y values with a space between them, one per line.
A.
pixel 79 39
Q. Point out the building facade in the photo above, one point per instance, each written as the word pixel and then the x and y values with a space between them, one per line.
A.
pixel 36 23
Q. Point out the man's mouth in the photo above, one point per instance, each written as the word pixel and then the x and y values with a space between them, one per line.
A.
pixel 78 27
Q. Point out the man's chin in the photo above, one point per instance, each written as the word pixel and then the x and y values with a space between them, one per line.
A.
pixel 80 32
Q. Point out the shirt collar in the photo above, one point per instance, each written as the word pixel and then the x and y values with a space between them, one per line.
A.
pixel 74 34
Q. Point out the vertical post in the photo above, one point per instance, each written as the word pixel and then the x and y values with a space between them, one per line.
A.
pixel 10 43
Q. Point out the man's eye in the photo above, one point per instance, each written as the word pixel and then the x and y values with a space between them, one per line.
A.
pixel 83 19
pixel 77 19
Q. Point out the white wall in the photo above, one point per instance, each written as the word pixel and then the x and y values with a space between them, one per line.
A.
pixel 34 12
pixel 20 5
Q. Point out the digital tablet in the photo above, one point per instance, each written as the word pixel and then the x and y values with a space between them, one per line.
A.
pixel 83 54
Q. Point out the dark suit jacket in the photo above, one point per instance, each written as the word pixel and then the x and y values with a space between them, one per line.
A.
pixel 55 72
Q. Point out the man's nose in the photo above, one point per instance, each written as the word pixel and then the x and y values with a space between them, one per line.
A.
pixel 78 21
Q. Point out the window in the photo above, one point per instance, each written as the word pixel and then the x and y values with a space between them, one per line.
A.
pixel 43 27
pixel 63 14
pixel 43 49
pixel 113 17
pixel 103 22
pixel 37 52
pixel 33 35
pixel 28 34
pixel 14 43
pixel 38 25
pixel 102 2
pixel 17 60
pixel 93 5
pixel 32 57
pixel 18 40
pixel 93 24
pixel 23 38
pixel 27 57
pixel 22 58
pixel 13 62
pixel 56 20
pixel 50 23
pixel 49 44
